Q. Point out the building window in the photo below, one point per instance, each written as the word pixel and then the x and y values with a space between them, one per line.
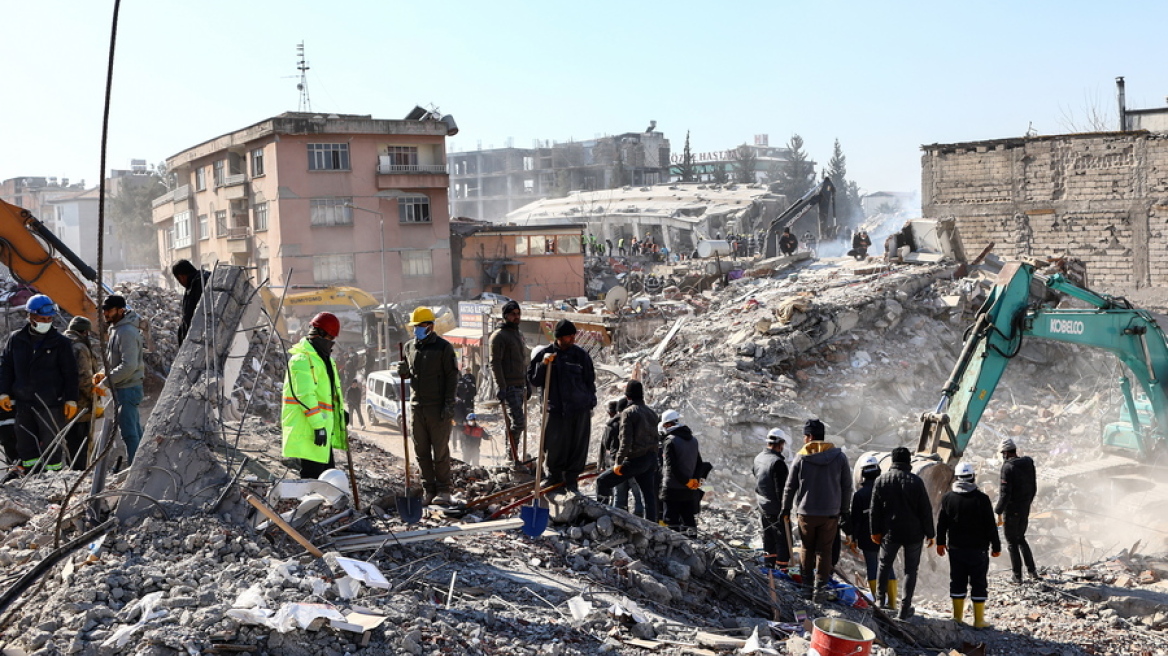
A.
pixel 568 244
pixel 168 238
pixel 257 162
pixel 331 211
pixel 204 228
pixel 528 163
pixel 221 223
pixel 416 264
pixel 414 209
pixel 182 229
pixel 328 157
pixel 261 217
pixel 220 172
pixel 521 245
pixel 529 186
pixel 201 178
pixel 403 155
pixel 333 268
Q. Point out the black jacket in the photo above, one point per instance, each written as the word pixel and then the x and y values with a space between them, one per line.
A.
pixel 190 302
pixel 39 368
pixel 638 432
pixel 967 521
pixel 573 388
pixel 820 482
pixel 901 510
pixel 788 243
pixel 1019 484
pixel 770 477
pixel 860 523
pixel 433 372
pixel 682 458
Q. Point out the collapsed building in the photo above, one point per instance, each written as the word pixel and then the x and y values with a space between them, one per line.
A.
pixel 195 564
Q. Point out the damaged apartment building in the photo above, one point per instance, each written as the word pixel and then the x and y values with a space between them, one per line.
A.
pixel 1100 197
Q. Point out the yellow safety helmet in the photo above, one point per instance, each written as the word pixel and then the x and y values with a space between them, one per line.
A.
pixel 421 315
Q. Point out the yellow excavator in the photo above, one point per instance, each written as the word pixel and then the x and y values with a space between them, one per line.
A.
pixel 29 250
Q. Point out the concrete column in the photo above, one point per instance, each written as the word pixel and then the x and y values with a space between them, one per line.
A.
pixel 181 458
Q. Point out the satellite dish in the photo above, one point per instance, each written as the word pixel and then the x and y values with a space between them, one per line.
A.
pixel 615 298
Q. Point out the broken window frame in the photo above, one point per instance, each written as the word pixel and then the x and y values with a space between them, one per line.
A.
pixel 328 157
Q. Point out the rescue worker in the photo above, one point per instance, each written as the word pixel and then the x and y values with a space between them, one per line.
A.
pixel 1015 494
pixel 788 243
pixel 127 372
pixel 966 529
pixel 682 474
pixel 508 362
pixel 313 420
pixel 609 445
pixel 77 439
pixel 472 438
pixel 819 492
pixel 636 455
pixel 432 369
pixel 464 397
pixel 38 377
pixel 860 245
pixel 353 400
pixel 901 517
pixel 770 478
pixel 859 529
pixel 570 401
pixel 193 281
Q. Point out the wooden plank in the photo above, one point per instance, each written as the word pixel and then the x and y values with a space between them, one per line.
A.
pixel 363 543
pixel 285 526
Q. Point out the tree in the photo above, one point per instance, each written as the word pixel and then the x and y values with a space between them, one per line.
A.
pixel 718 173
pixel 687 162
pixel 745 161
pixel 130 212
pixel 797 175
pixel 847 197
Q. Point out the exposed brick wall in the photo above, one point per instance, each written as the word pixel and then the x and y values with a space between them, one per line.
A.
pixel 1102 198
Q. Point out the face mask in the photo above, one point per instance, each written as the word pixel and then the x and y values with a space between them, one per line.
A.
pixel 323 346
pixel 42 328
pixel 420 332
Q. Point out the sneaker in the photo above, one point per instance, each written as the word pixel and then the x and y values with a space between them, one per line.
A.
pixel 428 498
pixel 1017 579
pixel 442 499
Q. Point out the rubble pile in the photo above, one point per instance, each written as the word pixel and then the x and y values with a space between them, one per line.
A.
pixel 259 385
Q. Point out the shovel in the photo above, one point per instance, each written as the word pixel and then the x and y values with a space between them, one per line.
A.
pixel 535 517
pixel 409 506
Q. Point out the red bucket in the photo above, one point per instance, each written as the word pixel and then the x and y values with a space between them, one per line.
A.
pixel 832 636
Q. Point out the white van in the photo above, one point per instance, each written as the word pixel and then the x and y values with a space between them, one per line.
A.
pixel 383 397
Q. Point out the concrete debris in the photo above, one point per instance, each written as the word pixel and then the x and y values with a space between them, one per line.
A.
pixel 864 346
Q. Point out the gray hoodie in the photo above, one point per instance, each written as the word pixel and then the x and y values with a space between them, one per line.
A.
pixel 820 482
pixel 127 367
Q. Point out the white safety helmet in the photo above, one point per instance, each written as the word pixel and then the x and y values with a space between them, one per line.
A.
pixel 336 478
pixel 661 429
pixel 869 461
pixel 964 470
pixel 777 436
pixel 671 416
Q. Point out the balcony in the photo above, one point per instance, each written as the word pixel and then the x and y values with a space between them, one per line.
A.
pixel 384 168
pixel 238 233
pixel 235 186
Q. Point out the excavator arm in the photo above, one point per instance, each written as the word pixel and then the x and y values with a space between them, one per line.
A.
pixel 821 196
pixel 1007 317
pixel 29 250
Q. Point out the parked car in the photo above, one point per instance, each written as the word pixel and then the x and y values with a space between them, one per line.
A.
pixel 383 397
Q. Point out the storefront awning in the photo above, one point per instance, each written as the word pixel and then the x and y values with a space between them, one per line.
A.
pixel 464 336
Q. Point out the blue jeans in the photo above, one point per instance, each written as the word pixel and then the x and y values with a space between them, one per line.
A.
pixel 129 423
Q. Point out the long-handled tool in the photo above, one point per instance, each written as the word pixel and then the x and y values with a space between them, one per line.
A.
pixel 409 506
pixel 352 477
pixel 535 517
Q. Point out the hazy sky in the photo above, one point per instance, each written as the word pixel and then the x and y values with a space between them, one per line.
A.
pixel 884 78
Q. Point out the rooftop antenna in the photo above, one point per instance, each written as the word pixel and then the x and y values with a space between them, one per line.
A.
pixel 302 86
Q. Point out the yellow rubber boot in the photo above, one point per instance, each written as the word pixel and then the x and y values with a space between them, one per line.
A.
pixel 979 616
pixel 958 609
pixel 891 594
pixel 872 583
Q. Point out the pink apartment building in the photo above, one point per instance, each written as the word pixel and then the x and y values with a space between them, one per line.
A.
pixel 313 200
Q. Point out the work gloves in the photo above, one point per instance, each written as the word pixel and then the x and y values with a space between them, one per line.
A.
pixel 70 410
pixel 5 403
pixel 617 470
pixel 321 437
pixel 693 484
pixel 995 554
pixel 1001 519
pixel 549 358
pixel 929 542
pixel 98 377
pixel 877 538
pixel 447 412
pixel 940 550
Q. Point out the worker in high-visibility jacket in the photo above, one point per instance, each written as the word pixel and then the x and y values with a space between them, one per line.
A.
pixel 314 418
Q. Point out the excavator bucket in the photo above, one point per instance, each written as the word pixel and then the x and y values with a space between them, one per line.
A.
pixel 29 251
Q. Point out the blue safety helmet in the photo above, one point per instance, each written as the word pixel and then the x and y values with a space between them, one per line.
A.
pixel 41 305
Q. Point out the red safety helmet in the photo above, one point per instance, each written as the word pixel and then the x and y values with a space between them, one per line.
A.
pixel 328 322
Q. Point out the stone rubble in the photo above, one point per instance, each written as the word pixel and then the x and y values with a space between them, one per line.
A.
pixel 866 350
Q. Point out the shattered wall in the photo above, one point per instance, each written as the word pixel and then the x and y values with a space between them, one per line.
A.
pixel 1100 197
